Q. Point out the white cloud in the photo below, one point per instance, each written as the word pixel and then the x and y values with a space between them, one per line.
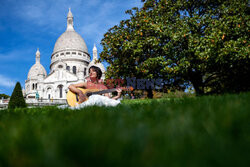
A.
pixel 6 82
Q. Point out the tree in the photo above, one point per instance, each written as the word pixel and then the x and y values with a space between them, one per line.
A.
pixel 204 43
pixel 4 96
pixel 17 99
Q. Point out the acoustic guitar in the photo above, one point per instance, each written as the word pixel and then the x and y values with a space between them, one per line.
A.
pixel 73 98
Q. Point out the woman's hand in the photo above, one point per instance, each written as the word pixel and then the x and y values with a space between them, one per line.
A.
pixel 82 97
pixel 119 92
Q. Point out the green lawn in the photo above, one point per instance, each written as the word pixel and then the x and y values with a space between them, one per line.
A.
pixel 194 131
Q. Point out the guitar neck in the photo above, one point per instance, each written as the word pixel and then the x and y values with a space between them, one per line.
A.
pixel 101 92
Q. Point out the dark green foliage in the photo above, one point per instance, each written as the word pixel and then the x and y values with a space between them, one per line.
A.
pixel 17 99
pixel 197 131
pixel 205 43
pixel 4 96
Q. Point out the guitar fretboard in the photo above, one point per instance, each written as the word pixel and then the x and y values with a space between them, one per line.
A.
pixel 101 92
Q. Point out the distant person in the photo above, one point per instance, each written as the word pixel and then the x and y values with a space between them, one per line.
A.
pixel 132 96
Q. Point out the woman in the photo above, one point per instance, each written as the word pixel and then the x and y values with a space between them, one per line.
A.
pixel 93 82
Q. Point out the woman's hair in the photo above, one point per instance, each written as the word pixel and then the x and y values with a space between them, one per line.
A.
pixel 97 70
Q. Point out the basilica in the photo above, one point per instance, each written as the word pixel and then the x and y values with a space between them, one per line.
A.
pixel 70 62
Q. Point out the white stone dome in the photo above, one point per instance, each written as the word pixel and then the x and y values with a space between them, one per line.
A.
pixel 37 70
pixel 70 40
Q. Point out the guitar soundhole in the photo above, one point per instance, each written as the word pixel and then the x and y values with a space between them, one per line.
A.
pixel 77 98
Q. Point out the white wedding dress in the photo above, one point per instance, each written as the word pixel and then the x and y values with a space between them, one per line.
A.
pixel 95 100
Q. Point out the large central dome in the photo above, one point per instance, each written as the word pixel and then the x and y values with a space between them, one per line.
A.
pixel 70 40
pixel 70 49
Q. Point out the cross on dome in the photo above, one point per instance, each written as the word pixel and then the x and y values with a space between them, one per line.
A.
pixel 37 56
pixel 70 24
pixel 37 52
pixel 70 15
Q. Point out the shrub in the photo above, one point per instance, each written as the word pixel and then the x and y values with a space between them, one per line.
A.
pixel 178 94
pixel 17 99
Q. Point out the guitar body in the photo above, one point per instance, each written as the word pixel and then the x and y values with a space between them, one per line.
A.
pixel 72 98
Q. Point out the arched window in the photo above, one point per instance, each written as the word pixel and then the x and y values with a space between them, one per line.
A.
pixel 60 91
pixel 33 86
pixel 49 92
pixel 85 71
pixel 36 86
pixel 74 69
pixel 68 68
pixel 60 66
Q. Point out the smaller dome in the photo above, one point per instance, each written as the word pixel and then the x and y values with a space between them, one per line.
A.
pixel 36 71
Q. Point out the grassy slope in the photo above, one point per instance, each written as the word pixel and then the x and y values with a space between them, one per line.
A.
pixel 202 131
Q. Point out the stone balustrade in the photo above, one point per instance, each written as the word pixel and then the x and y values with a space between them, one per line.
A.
pixel 35 102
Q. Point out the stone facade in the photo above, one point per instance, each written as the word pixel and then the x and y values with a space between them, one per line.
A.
pixel 70 62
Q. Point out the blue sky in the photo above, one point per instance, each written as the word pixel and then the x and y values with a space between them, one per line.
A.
pixel 26 25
